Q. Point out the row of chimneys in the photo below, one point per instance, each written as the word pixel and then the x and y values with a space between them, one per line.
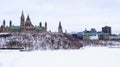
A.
pixel 10 24
pixel 45 25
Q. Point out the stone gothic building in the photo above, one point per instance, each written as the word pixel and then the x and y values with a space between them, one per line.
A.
pixel 25 26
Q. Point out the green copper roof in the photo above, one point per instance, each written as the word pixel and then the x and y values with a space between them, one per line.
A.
pixel 19 27
pixel 39 28
pixel 102 33
pixel 15 27
pixel 90 34
pixel 6 27
pixel 22 13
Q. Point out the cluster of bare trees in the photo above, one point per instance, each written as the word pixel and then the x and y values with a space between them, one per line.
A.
pixel 39 41
pixel 100 43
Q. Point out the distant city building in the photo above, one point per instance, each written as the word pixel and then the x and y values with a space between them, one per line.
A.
pixel 90 35
pixel 93 30
pixel 60 28
pixel 106 29
pixel 78 35
pixel 93 34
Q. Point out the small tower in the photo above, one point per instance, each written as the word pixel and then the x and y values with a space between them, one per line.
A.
pixel 60 28
pixel 22 20
pixel 3 25
pixel 40 24
pixel 10 24
pixel 46 26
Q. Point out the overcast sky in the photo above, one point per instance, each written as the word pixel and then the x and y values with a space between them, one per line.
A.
pixel 75 15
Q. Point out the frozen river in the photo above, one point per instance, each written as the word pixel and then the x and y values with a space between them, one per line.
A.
pixel 87 57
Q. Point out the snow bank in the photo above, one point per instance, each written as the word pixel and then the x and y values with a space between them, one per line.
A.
pixel 87 57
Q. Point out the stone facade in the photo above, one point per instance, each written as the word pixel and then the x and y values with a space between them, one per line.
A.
pixel 25 26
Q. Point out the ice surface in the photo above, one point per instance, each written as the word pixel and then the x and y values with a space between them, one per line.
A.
pixel 87 57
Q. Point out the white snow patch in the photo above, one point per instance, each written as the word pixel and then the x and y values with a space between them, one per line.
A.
pixel 87 57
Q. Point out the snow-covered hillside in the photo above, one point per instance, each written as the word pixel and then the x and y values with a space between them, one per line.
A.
pixel 87 57
pixel 38 41
pixel 105 43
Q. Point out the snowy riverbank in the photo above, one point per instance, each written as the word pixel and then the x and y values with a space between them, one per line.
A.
pixel 87 57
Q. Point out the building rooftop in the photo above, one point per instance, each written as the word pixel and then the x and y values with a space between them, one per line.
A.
pixel 15 27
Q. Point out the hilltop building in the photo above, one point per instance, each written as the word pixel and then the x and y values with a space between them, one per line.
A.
pixel 25 26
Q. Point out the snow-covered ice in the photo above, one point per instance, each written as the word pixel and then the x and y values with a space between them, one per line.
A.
pixel 87 57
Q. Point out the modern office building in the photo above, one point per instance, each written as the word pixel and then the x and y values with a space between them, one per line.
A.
pixel 106 29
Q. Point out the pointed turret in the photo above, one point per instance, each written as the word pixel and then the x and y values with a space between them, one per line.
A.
pixel 60 28
pixel 28 21
pixel 22 13
pixel 46 26
pixel 22 19
pixel 40 24
pixel 3 25
pixel 28 18
pixel 10 23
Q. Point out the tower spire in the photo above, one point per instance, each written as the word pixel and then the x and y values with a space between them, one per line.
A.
pixel 22 19
pixel 46 26
pixel 22 13
pixel 28 21
pixel 28 18
pixel 60 28
pixel 60 25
